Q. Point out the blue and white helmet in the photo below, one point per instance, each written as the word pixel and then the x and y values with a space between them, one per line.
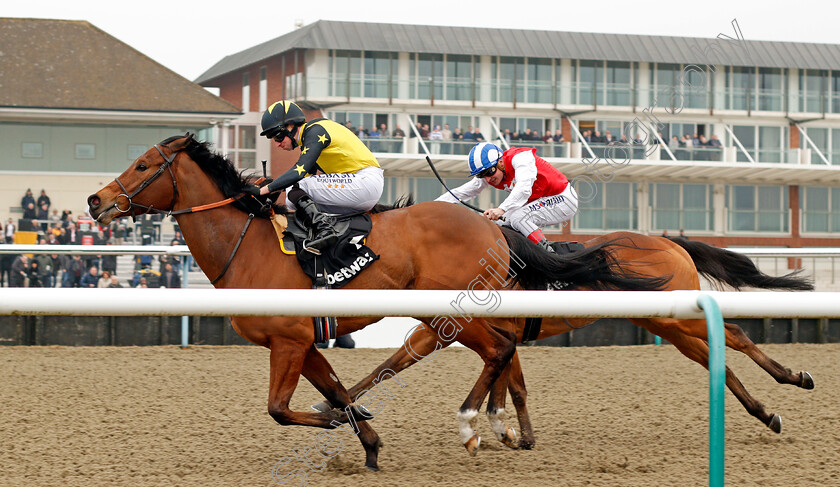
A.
pixel 484 156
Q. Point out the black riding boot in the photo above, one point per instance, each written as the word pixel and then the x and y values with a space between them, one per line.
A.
pixel 321 225
pixel 546 245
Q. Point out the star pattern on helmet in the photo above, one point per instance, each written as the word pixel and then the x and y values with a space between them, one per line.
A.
pixel 323 139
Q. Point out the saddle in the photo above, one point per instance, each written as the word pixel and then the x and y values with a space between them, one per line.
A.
pixel 335 266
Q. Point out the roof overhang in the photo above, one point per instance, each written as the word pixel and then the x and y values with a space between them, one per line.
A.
pixel 122 117
pixel 452 166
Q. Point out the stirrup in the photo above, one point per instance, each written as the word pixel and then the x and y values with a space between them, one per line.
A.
pixel 546 245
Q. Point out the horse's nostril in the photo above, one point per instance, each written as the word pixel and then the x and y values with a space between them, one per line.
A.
pixel 93 201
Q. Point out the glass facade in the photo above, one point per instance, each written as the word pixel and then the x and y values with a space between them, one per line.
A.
pixel 820 209
pixel 758 208
pixel 682 206
pixel 605 206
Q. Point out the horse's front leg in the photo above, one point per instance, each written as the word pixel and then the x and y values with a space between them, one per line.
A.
pixel 321 375
pixel 496 409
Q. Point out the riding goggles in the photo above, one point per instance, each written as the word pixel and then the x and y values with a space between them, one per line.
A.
pixel 487 172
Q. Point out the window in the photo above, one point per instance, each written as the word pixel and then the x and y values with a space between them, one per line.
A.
pixel 426 76
pixel 682 206
pixel 377 73
pixel 758 208
pixel 504 72
pixel 739 88
pixel 770 89
pixel 820 209
pixel 819 136
pixel 345 73
pixel 618 85
pixel 459 77
pixel 605 206
pixel 589 79
pixel 812 87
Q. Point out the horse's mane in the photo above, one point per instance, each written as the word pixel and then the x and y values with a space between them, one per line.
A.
pixel 222 171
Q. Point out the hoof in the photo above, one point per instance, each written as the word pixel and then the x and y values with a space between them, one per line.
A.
pixel 472 445
pixel 373 468
pixel 806 381
pixel 509 440
pixel 775 423
pixel 526 443
pixel 322 407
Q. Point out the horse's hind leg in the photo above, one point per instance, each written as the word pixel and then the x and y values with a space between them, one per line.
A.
pixel 495 346
pixel 698 350
pixel 738 340
pixel 518 393
pixel 321 375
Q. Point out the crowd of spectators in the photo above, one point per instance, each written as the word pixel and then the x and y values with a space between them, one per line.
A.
pixel 63 270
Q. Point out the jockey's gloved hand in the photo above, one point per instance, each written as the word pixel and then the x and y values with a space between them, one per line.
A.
pixel 252 190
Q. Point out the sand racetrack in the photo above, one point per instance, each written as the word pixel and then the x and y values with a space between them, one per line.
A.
pixel 612 416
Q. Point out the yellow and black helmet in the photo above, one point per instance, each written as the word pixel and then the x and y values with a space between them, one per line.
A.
pixel 280 114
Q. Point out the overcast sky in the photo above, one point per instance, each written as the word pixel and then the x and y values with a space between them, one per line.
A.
pixel 189 37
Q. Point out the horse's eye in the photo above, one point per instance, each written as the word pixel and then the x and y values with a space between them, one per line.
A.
pixel 141 167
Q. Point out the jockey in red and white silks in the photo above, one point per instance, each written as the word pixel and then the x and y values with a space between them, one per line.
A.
pixel 540 195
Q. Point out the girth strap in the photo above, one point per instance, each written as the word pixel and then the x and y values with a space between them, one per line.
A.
pixel 235 248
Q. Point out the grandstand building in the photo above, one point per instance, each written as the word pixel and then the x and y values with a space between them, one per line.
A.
pixel 772 177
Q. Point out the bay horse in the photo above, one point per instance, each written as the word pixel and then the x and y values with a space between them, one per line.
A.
pixel 684 260
pixel 431 245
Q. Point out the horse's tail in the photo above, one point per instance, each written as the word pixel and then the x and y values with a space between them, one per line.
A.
pixel 727 267
pixel 593 268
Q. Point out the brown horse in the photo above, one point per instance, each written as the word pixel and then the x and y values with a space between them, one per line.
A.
pixel 683 259
pixel 427 246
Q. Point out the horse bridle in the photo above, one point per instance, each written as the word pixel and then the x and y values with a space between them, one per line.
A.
pixel 132 206
pixel 167 165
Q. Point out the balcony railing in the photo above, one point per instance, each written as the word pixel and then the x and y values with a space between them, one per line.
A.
pixel 425 88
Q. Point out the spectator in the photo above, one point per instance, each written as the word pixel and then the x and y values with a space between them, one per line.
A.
pixel 91 278
pixel 714 141
pixel 457 135
pixel 587 136
pixel 558 136
pixel 66 218
pixel 55 217
pixel 507 135
pixel 44 199
pixel 170 278
pixel 9 231
pixel 468 135
pixel 398 132
pixel 425 132
pixel 682 234
pixel 350 127
pixel 435 136
pixel 6 269
pixel 178 239
pixel 383 130
pixel 33 274
pixel 114 282
pixel 43 216
pixel 419 127
pixel 638 140
pixel 477 135
pixel 674 143
pixel 164 259
pixel 445 132
pixel 703 141
pixel 73 269
pixel 19 271
pixel 362 133
pixel 28 205
pixel 665 233
pixel 104 280
pixel 44 266
pixel 547 138
pixel 608 138
pixel 142 283
pixel 598 138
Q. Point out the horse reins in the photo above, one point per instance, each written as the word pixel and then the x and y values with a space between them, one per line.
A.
pixel 167 165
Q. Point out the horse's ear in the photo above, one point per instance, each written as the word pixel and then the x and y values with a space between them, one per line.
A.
pixel 182 142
